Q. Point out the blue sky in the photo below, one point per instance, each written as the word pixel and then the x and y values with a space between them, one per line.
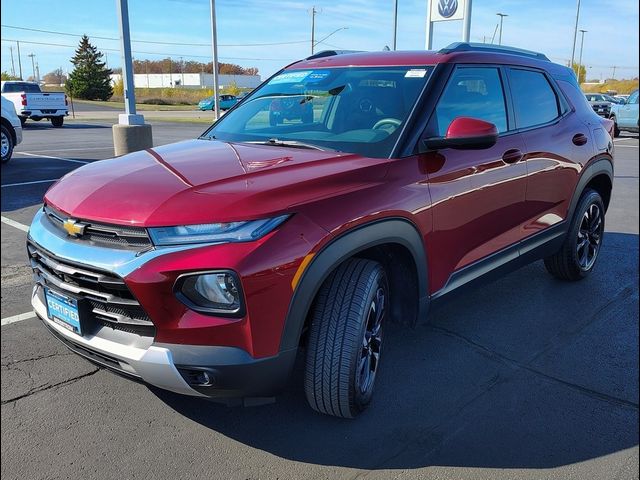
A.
pixel 543 25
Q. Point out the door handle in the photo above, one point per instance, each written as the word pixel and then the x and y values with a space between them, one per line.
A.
pixel 512 156
pixel 579 139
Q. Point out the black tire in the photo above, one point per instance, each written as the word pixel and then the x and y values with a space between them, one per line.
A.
pixel 345 338
pixel 616 130
pixel 572 262
pixel 7 142
pixel 57 121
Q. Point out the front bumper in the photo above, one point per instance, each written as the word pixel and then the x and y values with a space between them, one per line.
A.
pixel 232 373
pixel 183 342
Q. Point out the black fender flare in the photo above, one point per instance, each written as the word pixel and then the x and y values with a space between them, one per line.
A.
pixel 390 230
pixel 602 165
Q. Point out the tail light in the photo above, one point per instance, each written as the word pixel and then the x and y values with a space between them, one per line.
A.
pixel 24 99
pixel 66 100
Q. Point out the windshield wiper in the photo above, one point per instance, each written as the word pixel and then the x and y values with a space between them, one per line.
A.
pixel 289 143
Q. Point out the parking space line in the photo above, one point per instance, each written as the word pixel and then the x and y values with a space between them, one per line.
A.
pixel 51 156
pixel 69 149
pixel 28 183
pixel 626 146
pixel 17 318
pixel 14 224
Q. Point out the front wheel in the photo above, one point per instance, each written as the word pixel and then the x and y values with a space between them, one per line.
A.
pixel 577 256
pixel 7 144
pixel 57 121
pixel 345 338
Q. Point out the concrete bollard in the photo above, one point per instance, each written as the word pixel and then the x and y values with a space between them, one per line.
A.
pixel 131 138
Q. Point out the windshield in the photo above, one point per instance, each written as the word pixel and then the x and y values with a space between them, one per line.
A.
pixel 21 87
pixel 352 109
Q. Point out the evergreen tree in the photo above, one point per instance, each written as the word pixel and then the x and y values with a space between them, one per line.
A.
pixel 90 77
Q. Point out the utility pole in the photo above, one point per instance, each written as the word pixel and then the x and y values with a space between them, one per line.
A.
pixel 395 24
pixel 33 64
pixel 214 49
pixel 501 15
pixel 181 72
pixel 575 35
pixel 313 28
pixel 580 57
pixel 37 73
pixel 13 68
pixel 613 75
pixel 19 60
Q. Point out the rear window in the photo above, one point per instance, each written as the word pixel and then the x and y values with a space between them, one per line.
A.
pixel 534 100
pixel 20 87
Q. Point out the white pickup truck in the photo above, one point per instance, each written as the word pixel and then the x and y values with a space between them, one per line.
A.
pixel 31 102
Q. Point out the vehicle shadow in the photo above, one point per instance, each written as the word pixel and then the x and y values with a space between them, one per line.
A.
pixel 525 372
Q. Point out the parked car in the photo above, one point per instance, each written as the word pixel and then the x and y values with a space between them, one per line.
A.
pixel 204 266
pixel 600 103
pixel 625 116
pixel 31 102
pixel 226 102
pixel 11 129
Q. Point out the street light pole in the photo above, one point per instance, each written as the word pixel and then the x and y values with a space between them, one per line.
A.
pixel 13 67
pixel 130 134
pixel 501 15
pixel 466 23
pixel 395 24
pixel 332 33
pixel 580 60
pixel 214 48
pixel 19 59
pixel 575 36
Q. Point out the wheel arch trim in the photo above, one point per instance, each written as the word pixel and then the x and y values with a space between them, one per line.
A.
pixel 599 166
pixel 390 230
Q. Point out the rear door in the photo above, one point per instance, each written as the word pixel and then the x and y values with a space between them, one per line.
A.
pixel 477 195
pixel 557 145
pixel 628 113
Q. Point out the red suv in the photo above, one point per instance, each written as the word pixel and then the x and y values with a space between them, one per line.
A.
pixel 204 266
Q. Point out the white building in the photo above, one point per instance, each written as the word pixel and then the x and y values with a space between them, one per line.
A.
pixel 189 80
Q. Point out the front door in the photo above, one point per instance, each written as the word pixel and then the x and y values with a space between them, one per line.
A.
pixel 477 195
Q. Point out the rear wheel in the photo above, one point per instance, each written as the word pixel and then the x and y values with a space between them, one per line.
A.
pixel 57 121
pixel 6 143
pixel 577 256
pixel 345 338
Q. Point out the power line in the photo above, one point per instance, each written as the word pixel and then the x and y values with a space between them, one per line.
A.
pixel 146 53
pixel 265 44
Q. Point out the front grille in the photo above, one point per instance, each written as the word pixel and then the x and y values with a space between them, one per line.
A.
pixel 106 297
pixel 114 236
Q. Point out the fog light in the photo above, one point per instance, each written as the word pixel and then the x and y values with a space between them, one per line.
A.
pixel 211 292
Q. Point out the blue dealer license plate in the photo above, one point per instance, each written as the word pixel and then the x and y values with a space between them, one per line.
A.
pixel 63 310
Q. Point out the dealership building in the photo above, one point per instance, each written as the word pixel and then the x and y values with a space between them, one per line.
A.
pixel 189 80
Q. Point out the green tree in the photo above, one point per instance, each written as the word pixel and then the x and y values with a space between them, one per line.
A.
pixel 581 73
pixel 90 79
pixel 7 76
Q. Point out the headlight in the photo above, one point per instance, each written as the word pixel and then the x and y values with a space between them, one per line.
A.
pixel 211 292
pixel 215 232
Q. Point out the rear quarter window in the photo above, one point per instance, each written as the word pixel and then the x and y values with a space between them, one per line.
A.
pixel 534 100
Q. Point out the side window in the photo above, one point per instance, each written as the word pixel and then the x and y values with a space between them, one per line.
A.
pixel 534 100
pixel 633 98
pixel 471 92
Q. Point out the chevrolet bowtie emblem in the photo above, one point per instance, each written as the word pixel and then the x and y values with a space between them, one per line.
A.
pixel 73 228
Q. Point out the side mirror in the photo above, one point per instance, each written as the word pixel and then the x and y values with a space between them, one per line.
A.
pixel 464 133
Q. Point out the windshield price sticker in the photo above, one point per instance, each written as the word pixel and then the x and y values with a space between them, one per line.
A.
pixel 416 73
pixel 290 77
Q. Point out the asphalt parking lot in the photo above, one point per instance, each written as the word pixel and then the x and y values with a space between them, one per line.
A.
pixel 526 377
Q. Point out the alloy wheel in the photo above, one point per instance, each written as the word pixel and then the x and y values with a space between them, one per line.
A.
pixel 589 237
pixel 371 342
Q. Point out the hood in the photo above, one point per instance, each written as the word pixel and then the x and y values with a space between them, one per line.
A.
pixel 204 181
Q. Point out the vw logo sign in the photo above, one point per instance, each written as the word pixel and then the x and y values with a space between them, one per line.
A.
pixel 447 8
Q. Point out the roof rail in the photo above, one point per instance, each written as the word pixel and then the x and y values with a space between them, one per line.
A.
pixel 483 47
pixel 331 53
